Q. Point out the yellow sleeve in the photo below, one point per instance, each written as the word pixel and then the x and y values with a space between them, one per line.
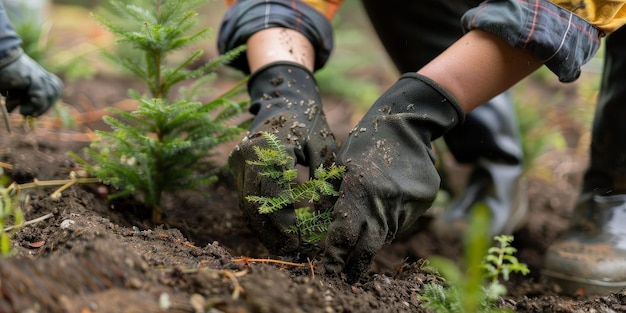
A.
pixel 606 15
pixel 326 7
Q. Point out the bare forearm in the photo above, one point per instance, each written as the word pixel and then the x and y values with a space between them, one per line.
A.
pixel 478 67
pixel 279 44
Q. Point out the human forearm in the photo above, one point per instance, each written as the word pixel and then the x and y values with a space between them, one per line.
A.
pixel 279 44
pixel 478 67
pixel 246 18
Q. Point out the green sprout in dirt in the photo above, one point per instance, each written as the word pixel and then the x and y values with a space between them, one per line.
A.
pixel 501 262
pixel 9 210
pixel 476 288
pixel 162 146
pixel 274 160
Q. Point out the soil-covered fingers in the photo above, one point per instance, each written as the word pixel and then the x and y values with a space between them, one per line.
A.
pixel 354 238
pixel 270 226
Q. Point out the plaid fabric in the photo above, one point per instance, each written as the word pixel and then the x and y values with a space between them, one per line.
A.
pixel 246 17
pixel 562 40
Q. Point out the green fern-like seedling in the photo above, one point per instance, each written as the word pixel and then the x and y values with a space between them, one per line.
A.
pixel 165 145
pixel 274 160
pixel 311 225
pixel 500 262
pixel 439 299
pixel 475 288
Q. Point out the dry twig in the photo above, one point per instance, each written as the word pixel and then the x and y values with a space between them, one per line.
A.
pixel 184 243
pixel 33 221
pixel 247 261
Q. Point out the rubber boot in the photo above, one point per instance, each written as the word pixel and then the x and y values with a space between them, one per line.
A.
pixel 489 140
pixel 590 257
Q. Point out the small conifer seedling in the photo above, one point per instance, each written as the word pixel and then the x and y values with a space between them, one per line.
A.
pixel 310 224
pixel 164 145
pixel 500 262
pixel 476 287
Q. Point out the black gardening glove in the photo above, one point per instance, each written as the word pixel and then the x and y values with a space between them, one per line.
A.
pixel 390 177
pixel 26 84
pixel 286 102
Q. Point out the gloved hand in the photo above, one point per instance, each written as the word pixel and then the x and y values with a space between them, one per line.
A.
pixel 286 102
pixel 390 177
pixel 26 84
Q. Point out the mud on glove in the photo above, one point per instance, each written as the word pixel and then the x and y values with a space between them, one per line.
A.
pixel 390 177
pixel 286 102
pixel 26 84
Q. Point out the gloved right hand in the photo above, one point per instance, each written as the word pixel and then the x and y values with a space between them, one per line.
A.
pixel 390 177
pixel 286 102
pixel 26 84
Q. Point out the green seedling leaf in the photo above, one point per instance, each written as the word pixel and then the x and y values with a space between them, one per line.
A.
pixel 476 286
pixel 275 162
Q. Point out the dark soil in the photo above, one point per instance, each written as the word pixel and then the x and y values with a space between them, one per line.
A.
pixel 92 255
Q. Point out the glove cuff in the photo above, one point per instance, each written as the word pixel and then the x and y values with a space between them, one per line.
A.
pixel 277 80
pixel 438 88
pixel 277 68
pixel 10 55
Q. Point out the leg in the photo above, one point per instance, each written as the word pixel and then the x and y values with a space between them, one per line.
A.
pixel 592 253
pixel 489 139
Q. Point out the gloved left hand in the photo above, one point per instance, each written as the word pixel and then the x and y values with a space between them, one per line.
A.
pixel 286 102
pixel 26 84
pixel 390 177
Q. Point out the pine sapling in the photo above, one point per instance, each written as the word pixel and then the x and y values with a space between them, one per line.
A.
pixel 164 145
pixel 274 160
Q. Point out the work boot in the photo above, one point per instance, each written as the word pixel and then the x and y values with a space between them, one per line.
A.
pixel 590 257
pixel 490 141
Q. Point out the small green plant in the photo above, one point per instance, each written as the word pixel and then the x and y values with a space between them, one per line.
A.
pixel 163 146
pixel 500 261
pixel 477 287
pixel 274 160
pixel 9 210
